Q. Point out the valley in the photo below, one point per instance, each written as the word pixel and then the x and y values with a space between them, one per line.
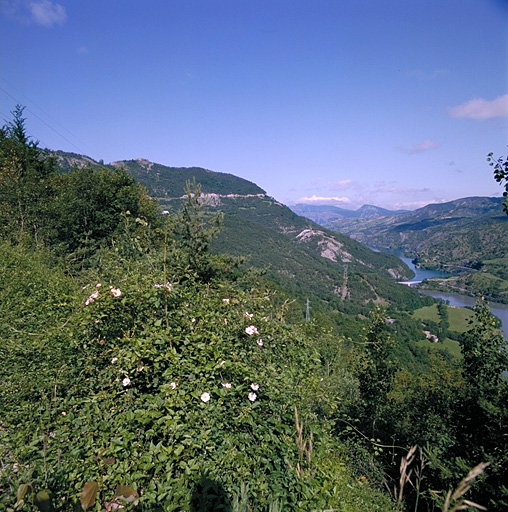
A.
pixel 465 238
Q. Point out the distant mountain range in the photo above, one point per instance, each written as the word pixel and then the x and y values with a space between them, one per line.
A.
pixel 325 214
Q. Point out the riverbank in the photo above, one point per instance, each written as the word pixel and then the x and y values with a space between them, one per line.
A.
pixel 460 297
pixel 464 301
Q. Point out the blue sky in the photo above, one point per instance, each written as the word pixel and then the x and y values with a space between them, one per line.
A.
pixel 346 102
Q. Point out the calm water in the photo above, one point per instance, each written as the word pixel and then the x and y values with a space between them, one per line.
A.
pixel 420 273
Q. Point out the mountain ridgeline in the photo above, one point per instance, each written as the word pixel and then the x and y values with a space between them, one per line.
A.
pixel 334 271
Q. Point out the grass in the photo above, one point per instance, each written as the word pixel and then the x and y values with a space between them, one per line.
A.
pixel 459 319
pixel 447 344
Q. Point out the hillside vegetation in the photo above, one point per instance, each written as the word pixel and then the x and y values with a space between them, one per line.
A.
pixel 143 370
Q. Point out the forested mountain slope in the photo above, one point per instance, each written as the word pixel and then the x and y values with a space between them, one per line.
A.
pixel 331 269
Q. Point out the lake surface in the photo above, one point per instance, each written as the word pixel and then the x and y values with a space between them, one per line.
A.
pixel 420 273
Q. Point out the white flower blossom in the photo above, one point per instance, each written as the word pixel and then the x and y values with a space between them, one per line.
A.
pixel 248 315
pixel 252 397
pixel 260 342
pixel 92 297
pixel 251 330
pixel 173 385
pixel 227 385
pixel 126 382
pixel 169 287
pixel 98 285
pixel 226 301
pixel 114 360
pixel 205 397
pixel 116 292
pixel 222 363
pixel 254 387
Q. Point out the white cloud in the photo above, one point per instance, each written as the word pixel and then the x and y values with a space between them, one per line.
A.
pixel 324 200
pixel 47 13
pixel 342 184
pixel 479 108
pixel 420 147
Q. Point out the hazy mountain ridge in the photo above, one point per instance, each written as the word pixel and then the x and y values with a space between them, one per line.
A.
pixel 326 214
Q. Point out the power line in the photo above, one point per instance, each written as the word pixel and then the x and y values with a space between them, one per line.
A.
pixel 31 136
pixel 53 119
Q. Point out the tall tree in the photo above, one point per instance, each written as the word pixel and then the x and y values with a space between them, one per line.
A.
pixel 26 183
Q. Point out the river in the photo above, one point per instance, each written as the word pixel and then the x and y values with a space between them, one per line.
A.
pixel 453 299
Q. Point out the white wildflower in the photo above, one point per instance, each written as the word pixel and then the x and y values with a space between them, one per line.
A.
pixel 254 387
pixel 98 285
pixel 252 397
pixel 205 397
pixel 251 330
pixel 260 342
pixel 227 385
pixel 126 382
pixel 192 319
pixel 64 413
pixel 114 360
pixel 226 301
pixel 173 385
pixel 92 297
pixel 248 315
pixel 169 287
pixel 116 292
pixel 222 363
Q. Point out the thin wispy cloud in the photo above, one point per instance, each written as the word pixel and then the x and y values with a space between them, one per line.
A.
pixel 420 147
pixel 325 200
pixel 47 13
pixel 342 184
pixel 480 108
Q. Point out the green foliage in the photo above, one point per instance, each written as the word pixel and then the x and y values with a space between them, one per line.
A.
pixel 151 385
pixel 144 371
pixel 170 182
pixel 90 207
pixel 500 175
pixel 26 184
